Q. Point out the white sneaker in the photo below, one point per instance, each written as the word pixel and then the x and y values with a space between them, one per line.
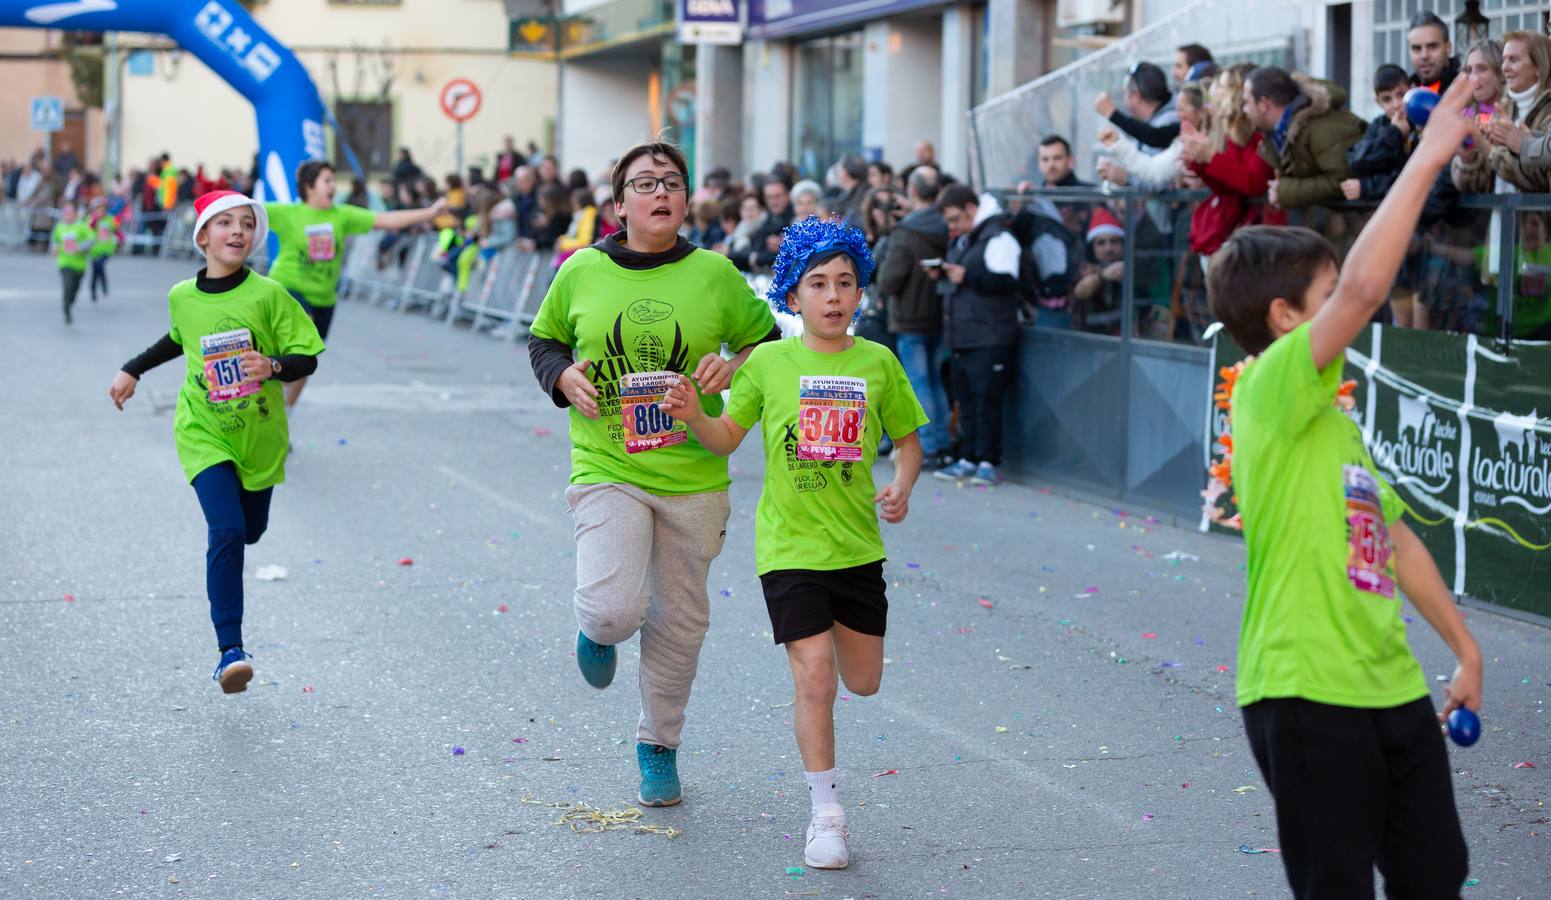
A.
pixel 826 847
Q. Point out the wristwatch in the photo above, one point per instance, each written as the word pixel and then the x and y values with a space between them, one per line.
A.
pixel 274 366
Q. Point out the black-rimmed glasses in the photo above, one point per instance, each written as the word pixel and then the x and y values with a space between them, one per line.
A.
pixel 647 184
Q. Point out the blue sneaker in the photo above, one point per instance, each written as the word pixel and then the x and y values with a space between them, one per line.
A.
pixel 985 473
pixel 596 661
pixel 959 470
pixel 234 671
pixel 659 775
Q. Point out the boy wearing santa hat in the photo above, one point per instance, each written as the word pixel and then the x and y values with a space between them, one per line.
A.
pixel 1098 290
pixel 240 334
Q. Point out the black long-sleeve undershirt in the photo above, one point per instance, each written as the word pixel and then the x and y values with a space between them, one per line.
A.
pixel 293 366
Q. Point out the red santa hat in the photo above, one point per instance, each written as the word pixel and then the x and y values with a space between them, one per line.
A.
pixel 1104 223
pixel 212 204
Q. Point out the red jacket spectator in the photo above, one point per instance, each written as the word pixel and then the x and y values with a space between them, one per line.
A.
pixel 1234 176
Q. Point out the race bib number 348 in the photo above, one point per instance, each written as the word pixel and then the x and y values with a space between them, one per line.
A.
pixel 223 372
pixel 831 417
pixel 647 427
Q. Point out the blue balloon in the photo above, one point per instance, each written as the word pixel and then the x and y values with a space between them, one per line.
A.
pixel 1464 726
pixel 1419 105
pixel 224 37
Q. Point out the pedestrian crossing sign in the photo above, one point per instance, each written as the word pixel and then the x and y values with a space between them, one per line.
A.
pixel 48 114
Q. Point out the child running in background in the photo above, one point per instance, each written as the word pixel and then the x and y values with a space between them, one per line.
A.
pixel 1335 706
pixel 104 244
pixel 71 241
pixel 241 334
pixel 825 398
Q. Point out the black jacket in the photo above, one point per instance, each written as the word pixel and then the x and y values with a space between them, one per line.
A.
pixel 759 256
pixel 983 310
pixel 1377 159
pixel 914 305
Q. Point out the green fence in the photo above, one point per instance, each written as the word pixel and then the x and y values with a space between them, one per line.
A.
pixel 1463 433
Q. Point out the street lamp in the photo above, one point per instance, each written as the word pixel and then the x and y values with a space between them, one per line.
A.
pixel 1470 26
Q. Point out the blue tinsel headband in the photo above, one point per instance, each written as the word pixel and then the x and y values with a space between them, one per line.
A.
pixel 802 241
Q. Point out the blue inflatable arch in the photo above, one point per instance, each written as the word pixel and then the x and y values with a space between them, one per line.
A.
pixel 224 37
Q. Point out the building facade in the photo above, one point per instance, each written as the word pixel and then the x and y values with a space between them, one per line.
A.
pixel 33 64
pixel 380 68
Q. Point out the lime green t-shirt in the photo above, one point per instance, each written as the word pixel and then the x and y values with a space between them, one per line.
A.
pixel 70 245
pixel 106 240
pixel 822 415
pixel 220 417
pixel 632 323
pixel 1322 616
pixel 312 243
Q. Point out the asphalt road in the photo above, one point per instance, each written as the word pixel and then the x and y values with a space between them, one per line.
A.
pixel 1056 718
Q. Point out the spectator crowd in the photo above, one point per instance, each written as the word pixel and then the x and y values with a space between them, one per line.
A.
pixel 959 270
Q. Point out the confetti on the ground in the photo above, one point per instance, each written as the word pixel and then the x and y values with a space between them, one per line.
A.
pixel 519 740
pixel 270 573
pixel 341 442
pixel 1524 765
pixel 726 592
pixel 502 608
pixel 1091 589
pixel 1179 556
pixel 986 603
pixel 886 772
pixel 69 598
pixel 307 689
pixel 912 565
pixel 1245 789
pixel 406 561
pixel 1148 817
pixel 1245 848
pixel 1222 668
pixel 1001 729
pixel 1171 665
pixel 1472 882
pixel 794 871
pixel 1149 635
pixel 542 432
pixel 584 819
pixel 458 751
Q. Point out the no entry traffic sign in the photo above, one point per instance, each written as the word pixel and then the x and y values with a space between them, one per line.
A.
pixel 461 99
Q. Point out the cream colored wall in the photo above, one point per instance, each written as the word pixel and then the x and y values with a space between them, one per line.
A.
pixel 446 39
pixel 23 79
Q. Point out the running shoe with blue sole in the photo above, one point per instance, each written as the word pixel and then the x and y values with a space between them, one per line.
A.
pixel 597 661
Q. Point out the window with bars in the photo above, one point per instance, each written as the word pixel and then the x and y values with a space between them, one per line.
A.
pixel 1392 17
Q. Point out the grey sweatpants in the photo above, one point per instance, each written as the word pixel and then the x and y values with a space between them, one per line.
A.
pixel 641 565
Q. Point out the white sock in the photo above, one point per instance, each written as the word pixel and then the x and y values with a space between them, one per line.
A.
pixel 821 791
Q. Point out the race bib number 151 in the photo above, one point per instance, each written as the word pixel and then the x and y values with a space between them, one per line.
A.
pixel 223 372
pixel 1367 563
pixel 832 416
pixel 647 427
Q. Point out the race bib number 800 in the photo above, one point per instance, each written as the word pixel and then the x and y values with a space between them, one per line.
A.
pixel 223 370
pixel 647 427
pixel 832 417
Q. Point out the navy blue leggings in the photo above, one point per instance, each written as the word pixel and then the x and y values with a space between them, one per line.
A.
pixel 235 517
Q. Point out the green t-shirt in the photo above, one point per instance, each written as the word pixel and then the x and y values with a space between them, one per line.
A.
pixel 1531 294
pixel 1322 614
pixel 70 245
pixel 106 240
pixel 640 321
pixel 221 418
pixel 823 414
pixel 312 243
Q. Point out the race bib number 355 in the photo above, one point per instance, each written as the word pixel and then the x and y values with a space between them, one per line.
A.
pixel 223 372
pixel 647 427
pixel 1367 563
pixel 320 242
pixel 831 417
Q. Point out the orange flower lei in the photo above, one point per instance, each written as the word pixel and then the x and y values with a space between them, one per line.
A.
pixel 1220 482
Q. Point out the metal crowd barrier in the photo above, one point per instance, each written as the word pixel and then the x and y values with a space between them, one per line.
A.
pixel 407 273
pixel 168 234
